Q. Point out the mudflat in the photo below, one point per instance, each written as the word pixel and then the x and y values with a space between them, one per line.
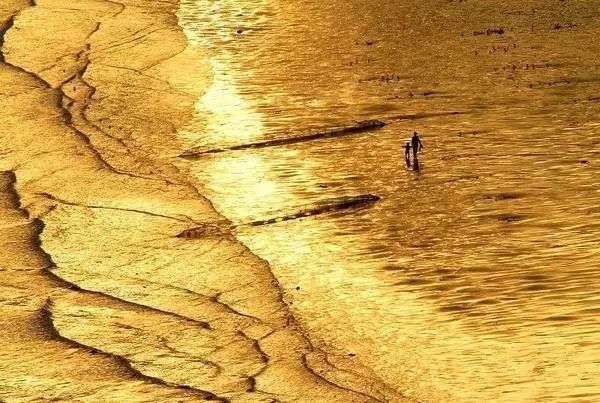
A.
pixel 101 300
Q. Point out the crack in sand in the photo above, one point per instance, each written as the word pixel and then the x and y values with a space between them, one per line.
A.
pixel 50 273
pixel 187 219
pixel 321 376
pixel 213 298
pixel 133 40
pixel 47 321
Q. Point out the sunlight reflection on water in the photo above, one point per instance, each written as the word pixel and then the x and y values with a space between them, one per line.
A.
pixel 477 278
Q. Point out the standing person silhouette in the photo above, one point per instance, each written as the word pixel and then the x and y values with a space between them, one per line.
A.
pixel 416 146
pixel 407 153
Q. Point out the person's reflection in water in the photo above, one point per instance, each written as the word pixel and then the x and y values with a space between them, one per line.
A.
pixel 417 146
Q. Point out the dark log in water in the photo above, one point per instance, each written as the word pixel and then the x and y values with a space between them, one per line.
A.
pixel 204 232
pixel 359 127
pixel 322 207
pixel 326 206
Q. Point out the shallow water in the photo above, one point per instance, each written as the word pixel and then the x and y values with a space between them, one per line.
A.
pixel 475 278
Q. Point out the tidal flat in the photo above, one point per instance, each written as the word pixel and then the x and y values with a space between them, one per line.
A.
pixel 207 200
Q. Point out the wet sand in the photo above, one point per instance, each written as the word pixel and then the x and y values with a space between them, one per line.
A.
pixel 100 298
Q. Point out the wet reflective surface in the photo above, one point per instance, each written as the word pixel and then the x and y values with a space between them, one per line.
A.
pixel 475 278
pixel 101 299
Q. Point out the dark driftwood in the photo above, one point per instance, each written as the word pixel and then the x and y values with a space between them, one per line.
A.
pixel 359 127
pixel 322 207
pixel 334 204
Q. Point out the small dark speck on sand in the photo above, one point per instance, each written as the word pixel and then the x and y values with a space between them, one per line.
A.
pixel 583 161
pixel 352 354
pixel 297 288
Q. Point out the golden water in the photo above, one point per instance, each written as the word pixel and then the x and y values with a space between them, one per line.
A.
pixel 475 278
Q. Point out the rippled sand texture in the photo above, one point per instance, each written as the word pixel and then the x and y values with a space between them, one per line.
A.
pixel 476 278
pixel 101 300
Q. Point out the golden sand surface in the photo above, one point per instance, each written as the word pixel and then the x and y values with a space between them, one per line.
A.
pixel 100 300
